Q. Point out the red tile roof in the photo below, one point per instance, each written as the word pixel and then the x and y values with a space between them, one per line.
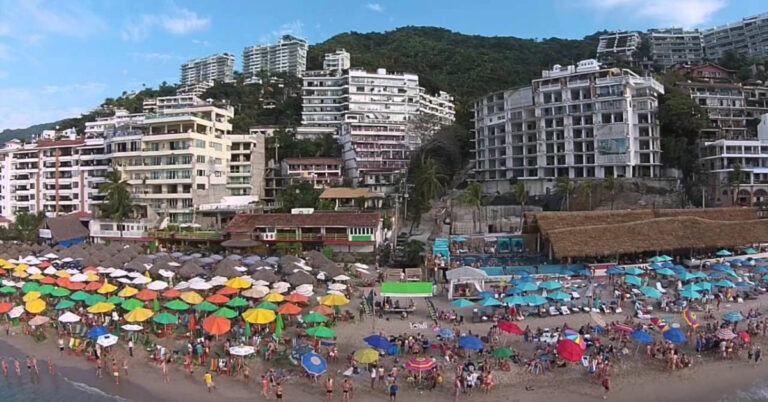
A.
pixel 60 143
pixel 312 161
pixel 82 215
pixel 245 223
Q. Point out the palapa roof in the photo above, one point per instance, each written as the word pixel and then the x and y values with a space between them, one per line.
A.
pixel 246 223
pixel 64 228
pixel 604 233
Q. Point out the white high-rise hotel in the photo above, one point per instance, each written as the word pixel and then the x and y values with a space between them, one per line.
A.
pixel 219 67
pixel 575 121
pixel 289 55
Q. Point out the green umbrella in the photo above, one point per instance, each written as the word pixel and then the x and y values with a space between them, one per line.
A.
pixel 64 304
pixel 314 318
pixel 206 306
pixel 116 300
pixel 8 290
pixel 226 313
pixel 93 299
pixel 165 319
pixel 45 289
pixel 267 306
pixel 321 332
pixel 237 302
pixel 247 330
pixel 30 287
pixel 80 296
pixel 503 353
pixel 177 305
pixel 60 292
pixel 131 304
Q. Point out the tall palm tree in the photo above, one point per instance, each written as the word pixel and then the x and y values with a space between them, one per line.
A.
pixel 735 180
pixel 612 185
pixel 430 180
pixel 588 189
pixel 26 227
pixel 521 194
pixel 564 188
pixel 118 204
pixel 473 197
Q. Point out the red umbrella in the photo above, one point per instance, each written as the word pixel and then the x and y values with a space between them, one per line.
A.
pixel 5 307
pixel 216 325
pixel 171 294
pixel 725 333
pixel 510 328
pixel 226 291
pixel 623 328
pixel 745 337
pixel 419 364
pixel 296 298
pixel 146 295
pixel 47 281
pixel 93 286
pixel 569 350
pixel 217 299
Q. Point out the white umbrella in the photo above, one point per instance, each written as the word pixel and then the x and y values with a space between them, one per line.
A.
pixel 260 282
pixel 174 264
pixel 157 285
pixel 16 312
pixel 134 274
pixel 200 285
pixel 49 271
pixel 182 285
pixel 132 327
pixel 107 340
pixel 72 271
pixel 242 350
pixel 281 285
pixel 51 256
pixel 78 277
pixel 335 292
pixel 106 270
pixel 255 292
pixel 166 274
pixel 141 280
pixel 304 266
pixel 241 269
pixel 67 259
pixel 341 278
pixel 306 286
pixel 279 290
pixel 218 280
pixel 196 279
pixel 124 280
pixel 359 265
pixel 6 282
pixel 34 271
pixel 69 317
pixel 321 276
pixel 118 273
pixel 337 286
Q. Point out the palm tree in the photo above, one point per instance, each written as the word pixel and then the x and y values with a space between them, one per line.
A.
pixel 612 185
pixel 473 197
pixel 735 180
pixel 430 180
pixel 588 188
pixel 564 188
pixel 118 204
pixel 26 227
pixel 521 194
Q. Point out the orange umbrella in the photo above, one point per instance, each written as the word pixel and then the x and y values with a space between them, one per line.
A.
pixel 146 295
pixel 171 294
pixel 67 284
pixel 324 310
pixel 217 299
pixel 5 307
pixel 289 309
pixel 216 325
pixel 93 286
pixel 90 269
pixel 296 298
pixel 2 271
pixel 44 264
pixel 226 291
pixel 47 281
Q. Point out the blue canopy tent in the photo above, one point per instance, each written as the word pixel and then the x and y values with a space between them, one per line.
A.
pixel 675 335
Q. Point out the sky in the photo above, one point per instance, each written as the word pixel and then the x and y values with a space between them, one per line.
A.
pixel 62 58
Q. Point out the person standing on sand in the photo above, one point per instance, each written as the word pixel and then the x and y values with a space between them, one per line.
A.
pixel 51 370
pixel 329 389
pixel 373 376
pixel 208 378
pixel 18 367
pixel 61 347
pixel 34 365
pixel 347 389
pixel 125 367
pixel 116 372
pixel 758 352
pixel 265 386
pixel 164 366
pixel 98 368
pixel 130 347
pixel 279 392
pixel 457 388
pixel 606 383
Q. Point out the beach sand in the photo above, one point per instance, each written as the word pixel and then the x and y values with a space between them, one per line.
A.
pixel 634 379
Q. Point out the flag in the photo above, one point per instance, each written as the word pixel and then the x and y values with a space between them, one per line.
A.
pixel 156 305
pixel 279 326
pixel 247 330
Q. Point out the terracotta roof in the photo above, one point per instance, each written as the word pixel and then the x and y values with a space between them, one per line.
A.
pixel 312 161
pixel 60 143
pixel 349 192
pixel 66 227
pixel 4 219
pixel 245 223
pixel 82 215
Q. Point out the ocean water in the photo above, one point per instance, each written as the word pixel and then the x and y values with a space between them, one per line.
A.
pixel 756 392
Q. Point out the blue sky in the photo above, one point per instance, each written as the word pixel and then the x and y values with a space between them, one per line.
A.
pixel 61 58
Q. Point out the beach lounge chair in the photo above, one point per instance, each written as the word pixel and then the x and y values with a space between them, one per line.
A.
pixel 553 310
pixel 575 295
pixel 564 310
pixel 660 288
pixel 604 309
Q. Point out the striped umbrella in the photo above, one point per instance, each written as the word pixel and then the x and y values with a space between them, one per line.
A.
pixel 420 364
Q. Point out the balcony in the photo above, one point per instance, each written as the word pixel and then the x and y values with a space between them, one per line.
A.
pixel 191 235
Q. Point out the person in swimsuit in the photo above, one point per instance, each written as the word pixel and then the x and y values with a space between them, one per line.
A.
pixel 166 379
pixel 5 368
pixel 279 392
pixel 18 368
pixel 265 386
pixel 347 389
pixel 98 368
pixel 116 372
pixel 247 375
pixel 51 370
pixel 329 389
pixel 208 378
pixel 34 365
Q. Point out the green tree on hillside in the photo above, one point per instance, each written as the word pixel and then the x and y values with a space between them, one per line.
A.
pixel 473 198
pixel 26 227
pixel 564 188
pixel 521 195
pixel 118 203
pixel 299 195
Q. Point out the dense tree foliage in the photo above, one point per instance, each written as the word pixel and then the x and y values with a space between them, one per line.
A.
pixel 25 228
pixel 288 146
pixel 299 195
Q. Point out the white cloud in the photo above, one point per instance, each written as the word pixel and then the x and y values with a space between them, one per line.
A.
pixel 294 28
pixel 203 43
pixel 30 20
pixel 161 57
pixel 375 7
pixel 178 21
pixel 136 30
pixel 676 13
pixel 184 22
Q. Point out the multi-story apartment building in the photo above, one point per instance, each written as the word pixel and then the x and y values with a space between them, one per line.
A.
pixel 624 44
pixel 321 172
pixel 339 60
pixel 289 55
pixel 724 103
pixel 576 121
pixel 164 104
pixel 218 67
pixel 670 47
pixel 247 165
pixel 748 36
pixel 99 127
pixel 756 101
pixel 439 107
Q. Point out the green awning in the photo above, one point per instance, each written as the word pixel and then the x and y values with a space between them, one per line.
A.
pixel 406 289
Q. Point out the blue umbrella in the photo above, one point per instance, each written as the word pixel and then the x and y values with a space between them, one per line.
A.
pixel 527 287
pixel 690 294
pixel 462 303
pixel 566 272
pixel 96 332
pixel 459 239
pixel 584 272
pixel 513 291
pixel 666 257
pixel 750 251
pixel 704 286
pixel 665 271
pixel 470 342
pixel 559 295
pixel 742 284
pixel 724 284
pixel 378 342
pixel 733 316
pixel 715 275
pixel 551 285
pixel 656 259
pixel 721 267
pixel 655 265
pixel 489 301
pixel 535 300
pixel 527 279
pixel 614 271
pixel 765 278
pixel 642 337
pixel 484 295
pixel 633 280
pixel 634 271
pixel 674 335
pixel 667 264
pixel 446 333
pixel 648 291
pixel 691 287
pixel 515 300
pixel 685 276
pixel 736 261
pixel 724 253
pixel 314 363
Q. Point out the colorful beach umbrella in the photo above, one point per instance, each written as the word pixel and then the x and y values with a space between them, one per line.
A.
pixel 462 303
pixel 633 280
pixel 675 335
pixel 64 304
pixel 510 328
pixel 690 318
pixel 259 316
pixel 420 364
pixel 139 315
pixel 733 316
pixel 267 306
pixel 165 319
pixel 642 337
pixel 314 364
pixel 177 305
pixel 35 306
pixel 131 304
pixel 5 307
pixel 569 350
pixel 366 356
pixel 296 298
pixel 289 309
pixel 227 291
pixel 535 300
pixel 238 283
pixel 725 333
pixel 171 294
pixel 551 285
pixel 128 292
pixel 216 325
pixel 206 307
pixel 217 299
pixel 315 318
pixel 34 295
pixel 97 331
pixel 690 294
pixel 470 342
pixel 274 298
pixel 514 300
pixel 490 302
pixel 502 353
pixel 334 300
pixel 106 288
pixel 101 307
pixel 321 332
pixel 146 295
pixel 527 287
pixel 60 292
pixel 192 297
pixel 665 272
pixel 378 342
pixel 237 302
pixel 559 295
pixel 648 291
pixel 226 313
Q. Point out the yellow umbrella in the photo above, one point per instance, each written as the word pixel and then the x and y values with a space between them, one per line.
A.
pixel 22 267
pixel 36 277
pixel 334 300
pixel 366 356
pixel 238 283
pixel 62 274
pixel 107 288
pixel 192 297
pixel 139 315
pixel 259 316
pixel 101 307
pixel 91 277
pixel 128 292
pixel 274 298
pixel 10 265
pixel 35 306
pixel 20 274
pixel 31 296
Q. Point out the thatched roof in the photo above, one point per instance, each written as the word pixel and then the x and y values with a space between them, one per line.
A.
pixel 300 278
pixel 265 274
pixel 65 228
pixel 190 270
pixel 660 234
pixel 227 272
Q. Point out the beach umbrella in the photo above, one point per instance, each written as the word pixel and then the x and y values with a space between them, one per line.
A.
pixel 745 337
pixel 314 318
pixel 64 304
pixel 200 285
pixel 366 356
pixel 177 305
pixel 470 342
pixel 60 292
pixel 634 271
pixel 321 332
pixel 226 313
pixel 691 287
pixel 334 300
pixel 242 350
pixel 46 289
pixel 724 284
pixel 5 307
pixel 528 287
pixel 733 316
pixel 510 328
pixel 724 253
pixel 446 333
pixel 704 286
pixel 16 312
pixel 485 295
pixel 503 353
pixel 750 251
pixel 377 342
pixel 324 310
pixel 165 319
pixel 575 337
pixel 614 271
pixel 551 285
pixel 206 307
pixel 633 280
pixel 157 285
pixel 38 320
pixel 131 304
pixel 238 283
pixel 237 302
pixel 128 292
pixel 132 327
pixel 98 331
pixel 34 295
pixel 192 297
pixel 685 276
pixel 648 291
pixel 255 292
pixel 171 294
pixel 101 307
pixel 296 298
pixel 35 306
pixel 69 318
pixel 665 272
pixel 217 299
pixel 420 364
pixel 227 291
pixel 7 290
pixel 30 287
pixel 106 288
pixel 514 300
pixel 267 306
pixel 675 335
pixel 559 295
pixel 107 340
pixel 314 363
pixel 489 302
pixel 725 333
pixel 535 300
pixel 216 325
pixel 690 318
pixel 720 267
pixel 690 294
pixel 115 300
pixel 95 298
pixel 146 295
pixel 761 270
pixel 259 316
pixel 642 337
pixel 289 309
pixel 569 350
pixel 623 328
pixel 462 303
pixel 274 298
pixel 139 315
